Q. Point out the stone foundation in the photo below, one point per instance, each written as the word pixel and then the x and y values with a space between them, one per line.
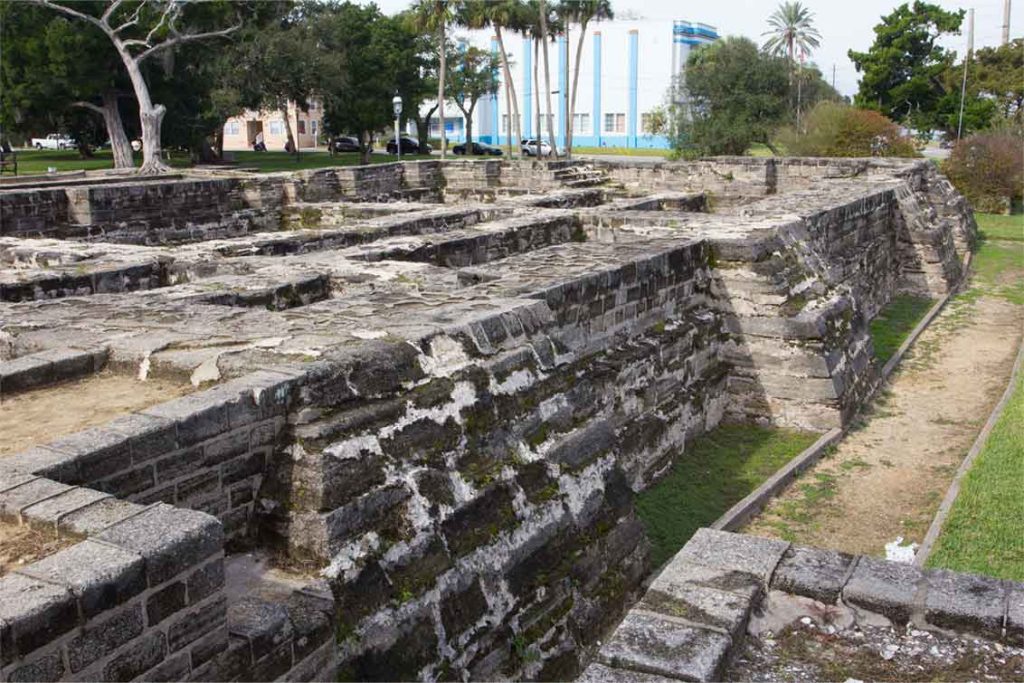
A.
pixel 430 391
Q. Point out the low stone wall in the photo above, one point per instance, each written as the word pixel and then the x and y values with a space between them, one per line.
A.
pixel 695 613
pixel 141 597
pixel 205 451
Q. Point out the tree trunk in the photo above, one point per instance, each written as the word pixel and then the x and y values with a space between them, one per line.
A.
pixel 120 147
pixel 469 125
pixel 218 141
pixel 508 118
pixel 547 76
pixel 514 112
pixel 440 88
pixel 575 85
pixel 290 138
pixel 539 135
pixel 364 147
pixel 150 117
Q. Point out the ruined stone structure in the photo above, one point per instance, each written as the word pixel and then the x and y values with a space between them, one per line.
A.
pixel 427 392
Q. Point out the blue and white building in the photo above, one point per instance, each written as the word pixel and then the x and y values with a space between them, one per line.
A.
pixel 627 71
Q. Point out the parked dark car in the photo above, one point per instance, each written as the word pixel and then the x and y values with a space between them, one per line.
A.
pixel 409 146
pixel 477 148
pixel 346 143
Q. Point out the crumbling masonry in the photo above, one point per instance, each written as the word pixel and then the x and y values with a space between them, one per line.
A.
pixel 426 392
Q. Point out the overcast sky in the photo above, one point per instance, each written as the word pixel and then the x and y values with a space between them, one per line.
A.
pixel 844 24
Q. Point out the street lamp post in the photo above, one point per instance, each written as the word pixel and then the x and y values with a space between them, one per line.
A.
pixel 396 103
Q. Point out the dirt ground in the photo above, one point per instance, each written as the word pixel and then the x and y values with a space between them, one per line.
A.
pixel 887 478
pixel 40 416
pixel 23 545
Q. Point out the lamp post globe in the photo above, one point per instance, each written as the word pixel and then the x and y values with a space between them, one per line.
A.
pixel 396 104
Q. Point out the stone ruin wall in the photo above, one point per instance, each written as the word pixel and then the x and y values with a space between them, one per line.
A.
pixel 467 482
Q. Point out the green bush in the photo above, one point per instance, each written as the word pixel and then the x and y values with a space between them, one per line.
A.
pixel 833 129
pixel 988 169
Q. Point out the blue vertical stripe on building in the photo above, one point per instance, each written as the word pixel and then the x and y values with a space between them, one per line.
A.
pixel 528 88
pixel 597 88
pixel 631 117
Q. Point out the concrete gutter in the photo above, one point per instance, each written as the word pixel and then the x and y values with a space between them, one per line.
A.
pixel 743 511
pixel 928 544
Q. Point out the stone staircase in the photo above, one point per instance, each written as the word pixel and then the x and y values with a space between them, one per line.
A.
pixel 576 174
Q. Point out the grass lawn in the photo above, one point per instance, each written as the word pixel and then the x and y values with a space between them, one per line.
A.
pixel 895 322
pixel 624 151
pixel 996 227
pixel 714 473
pixel 984 533
pixel 38 161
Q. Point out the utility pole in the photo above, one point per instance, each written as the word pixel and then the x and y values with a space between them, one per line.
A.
pixel 1006 21
pixel 833 76
pixel 568 123
pixel 967 61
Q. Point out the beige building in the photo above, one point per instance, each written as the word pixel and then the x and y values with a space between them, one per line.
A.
pixel 240 132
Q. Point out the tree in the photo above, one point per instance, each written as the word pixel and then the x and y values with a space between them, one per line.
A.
pixel 532 26
pixel 737 96
pixel 380 54
pixel 581 12
pixel 49 65
pixel 474 75
pixel 903 68
pixel 139 31
pixel 792 31
pixel 435 15
pixel 542 14
pixel 999 75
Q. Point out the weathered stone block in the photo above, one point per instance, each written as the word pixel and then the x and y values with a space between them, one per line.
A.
pixel 171 669
pixel 462 609
pixel 49 667
pixel 144 654
pixel 599 673
pixel 205 581
pixel 97 453
pixel 658 645
pixel 102 637
pixel 812 573
pixel 170 539
pixel 480 521
pixel 165 602
pixel 1015 616
pixel 35 612
pixel 264 624
pixel 100 576
pixel 737 552
pixel 195 623
pixel 885 587
pixel 98 516
pixel 698 604
pixel 965 602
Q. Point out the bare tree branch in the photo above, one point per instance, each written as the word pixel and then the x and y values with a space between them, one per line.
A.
pixel 186 38
pixel 88 105
pixel 74 13
pixel 109 12
pixel 132 21
pixel 171 11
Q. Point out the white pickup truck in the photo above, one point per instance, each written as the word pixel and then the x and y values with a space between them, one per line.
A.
pixel 53 141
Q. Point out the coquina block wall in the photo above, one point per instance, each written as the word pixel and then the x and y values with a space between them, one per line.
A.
pixel 442 411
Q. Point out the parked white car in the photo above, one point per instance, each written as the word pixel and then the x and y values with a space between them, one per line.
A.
pixel 54 141
pixel 530 148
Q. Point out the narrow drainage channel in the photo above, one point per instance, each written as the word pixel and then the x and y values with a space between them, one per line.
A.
pixel 877 492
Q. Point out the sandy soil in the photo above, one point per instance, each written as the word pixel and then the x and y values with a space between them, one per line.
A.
pixel 888 476
pixel 40 416
pixel 23 545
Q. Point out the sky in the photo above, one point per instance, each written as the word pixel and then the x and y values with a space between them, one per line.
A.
pixel 843 24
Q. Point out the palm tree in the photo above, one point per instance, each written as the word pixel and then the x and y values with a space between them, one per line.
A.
pixel 581 12
pixel 533 28
pixel 791 29
pixel 542 14
pixel 434 15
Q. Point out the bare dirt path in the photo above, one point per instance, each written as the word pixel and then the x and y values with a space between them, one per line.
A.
pixel 888 476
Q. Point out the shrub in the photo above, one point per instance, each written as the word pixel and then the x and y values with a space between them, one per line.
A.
pixel 833 129
pixel 988 169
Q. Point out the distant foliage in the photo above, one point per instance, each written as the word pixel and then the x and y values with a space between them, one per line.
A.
pixel 833 129
pixel 988 169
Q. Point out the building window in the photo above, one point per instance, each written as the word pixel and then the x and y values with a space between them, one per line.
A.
pixel 302 127
pixel 581 123
pixel 614 123
pixel 312 127
pixel 504 124
pixel 277 127
pixel 232 128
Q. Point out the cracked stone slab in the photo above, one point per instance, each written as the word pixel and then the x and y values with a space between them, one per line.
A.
pixel 965 602
pixel 650 643
pixel 812 573
pixel 888 588
pixel 599 673
pixel 679 571
pixel 739 552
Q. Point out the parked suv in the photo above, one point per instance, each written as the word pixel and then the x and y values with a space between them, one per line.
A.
pixel 409 146
pixel 346 143
pixel 530 148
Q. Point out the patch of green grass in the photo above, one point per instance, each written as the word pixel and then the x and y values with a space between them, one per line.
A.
pixel 895 322
pixel 31 162
pixel 984 533
pixel 714 473
pixel 996 227
pixel 624 151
